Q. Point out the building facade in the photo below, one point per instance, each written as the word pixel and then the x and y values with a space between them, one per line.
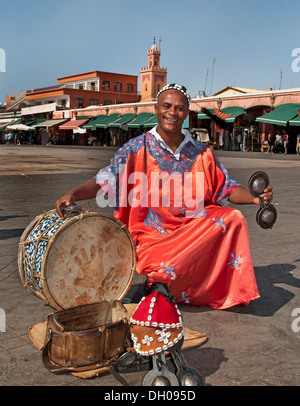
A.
pixel 94 88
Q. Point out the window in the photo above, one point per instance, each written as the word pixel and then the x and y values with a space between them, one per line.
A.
pixel 92 86
pixel 105 85
pixel 79 103
pixel 94 102
pixel 118 87
pixel 106 102
pixel 129 88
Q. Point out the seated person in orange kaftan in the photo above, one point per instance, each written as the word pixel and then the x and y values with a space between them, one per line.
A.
pixel 200 252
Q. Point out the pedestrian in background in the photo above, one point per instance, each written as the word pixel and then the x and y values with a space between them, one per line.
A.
pixel 285 140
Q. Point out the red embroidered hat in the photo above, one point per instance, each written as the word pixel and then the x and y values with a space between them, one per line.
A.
pixel 156 324
pixel 155 311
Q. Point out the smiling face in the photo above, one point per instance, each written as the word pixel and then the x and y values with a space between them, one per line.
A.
pixel 172 110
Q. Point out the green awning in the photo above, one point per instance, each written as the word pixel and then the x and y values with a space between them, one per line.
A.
pixel 92 124
pixel 122 120
pixel 3 126
pixel 203 116
pixel 11 122
pixel 108 120
pixel 140 120
pixel 50 123
pixel 295 121
pixel 15 122
pixel 186 123
pixel 234 111
pixel 281 115
pixel 30 122
pixel 152 122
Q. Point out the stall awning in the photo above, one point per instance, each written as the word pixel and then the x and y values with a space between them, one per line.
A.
pixel 34 122
pixel 108 120
pixel 20 127
pixel 234 111
pixel 152 122
pixel 122 120
pixel 72 124
pixel 281 115
pixel 29 125
pixel 295 121
pixel 49 123
pixel 92 124
pixel 186 123
pixel 6 122
pixel 139 120
pixel 203 116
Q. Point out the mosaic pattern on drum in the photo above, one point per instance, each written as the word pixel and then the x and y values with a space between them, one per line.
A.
pixel 35 247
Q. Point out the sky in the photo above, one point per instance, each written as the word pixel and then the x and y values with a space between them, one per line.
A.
pixel 252 41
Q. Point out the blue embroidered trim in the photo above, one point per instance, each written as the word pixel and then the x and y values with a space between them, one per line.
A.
pixel 167 161
pixel 228 187
pixel 154 220
pixel 164 158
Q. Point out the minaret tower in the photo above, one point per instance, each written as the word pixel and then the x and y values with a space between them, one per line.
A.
pixel 153 78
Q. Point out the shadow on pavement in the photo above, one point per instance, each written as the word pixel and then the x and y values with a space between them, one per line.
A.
pixel 11 233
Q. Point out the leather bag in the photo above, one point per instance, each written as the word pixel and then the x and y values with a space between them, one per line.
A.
pixel 85 337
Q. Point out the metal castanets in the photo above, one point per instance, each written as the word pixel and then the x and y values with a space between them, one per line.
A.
pixel 266 215
pixel 186 375
pixel 160 374
pixel 73 209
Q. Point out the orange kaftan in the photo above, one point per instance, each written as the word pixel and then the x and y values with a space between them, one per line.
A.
pixel 205 260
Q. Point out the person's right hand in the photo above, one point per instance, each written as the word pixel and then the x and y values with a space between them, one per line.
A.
pixel 64 201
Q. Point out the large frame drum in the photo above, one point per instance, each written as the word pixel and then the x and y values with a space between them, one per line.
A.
pixel 83 259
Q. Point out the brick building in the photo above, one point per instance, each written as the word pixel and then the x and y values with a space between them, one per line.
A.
pixel 94 88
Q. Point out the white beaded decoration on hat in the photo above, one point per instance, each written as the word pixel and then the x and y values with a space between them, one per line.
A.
pixel 175 86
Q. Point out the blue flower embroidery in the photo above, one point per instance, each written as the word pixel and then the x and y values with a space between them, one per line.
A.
pixel 154 220
pixel 169 271
pixel 203 213
pixel 185 299
pixel 178 211
pixel 219 223
pixel 235 261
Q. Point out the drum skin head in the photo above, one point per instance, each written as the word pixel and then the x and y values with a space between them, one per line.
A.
pixel 90 258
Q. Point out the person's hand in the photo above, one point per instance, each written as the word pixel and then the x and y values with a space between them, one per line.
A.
pixel 64 201
pixel 267 196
